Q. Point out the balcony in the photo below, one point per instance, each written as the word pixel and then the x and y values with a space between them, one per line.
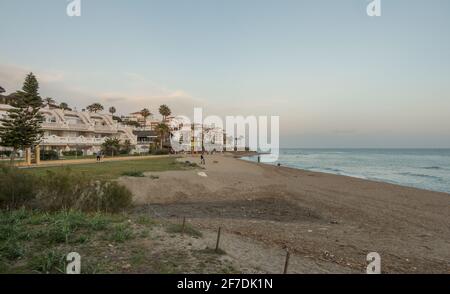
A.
pixel 64 126
pixel 55 140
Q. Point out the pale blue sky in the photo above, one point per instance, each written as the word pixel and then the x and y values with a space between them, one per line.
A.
pixel 335 76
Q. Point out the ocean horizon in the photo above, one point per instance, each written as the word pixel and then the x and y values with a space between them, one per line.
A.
pixel 425 168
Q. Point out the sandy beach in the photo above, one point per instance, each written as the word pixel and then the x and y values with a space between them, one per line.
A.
pixel 329 222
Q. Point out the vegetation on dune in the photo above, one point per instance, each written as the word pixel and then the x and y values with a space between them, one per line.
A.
pixel 60 190
pixel 38 242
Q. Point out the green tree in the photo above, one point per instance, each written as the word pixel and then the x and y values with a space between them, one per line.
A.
pixel 126 147
pixel 49 101
pixel 111 146
pixel 145 114
pixel 64 106
pixel 162 130
pixel 21 128
pixel 112 110
pixel 165 111
pixel 3 99
pixel 95 107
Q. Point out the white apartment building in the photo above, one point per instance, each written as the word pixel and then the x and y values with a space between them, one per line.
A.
pixel 66 130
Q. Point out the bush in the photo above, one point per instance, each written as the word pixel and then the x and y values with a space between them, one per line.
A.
pixel 115 197
pixel 5 153
pixel 73 153
pixel 49 155
pixel 68 190
pixel 159 152
pixel 16 187
pixel 137 174
pixel 60 191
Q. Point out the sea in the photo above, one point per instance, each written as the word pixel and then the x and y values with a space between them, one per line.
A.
pixel 419 168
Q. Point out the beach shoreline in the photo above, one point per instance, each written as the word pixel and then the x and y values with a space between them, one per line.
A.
pixel 329 222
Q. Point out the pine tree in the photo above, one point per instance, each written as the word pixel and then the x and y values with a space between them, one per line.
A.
pixel 21 128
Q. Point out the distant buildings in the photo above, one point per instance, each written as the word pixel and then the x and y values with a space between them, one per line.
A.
pixel 66 130
pixel 70 130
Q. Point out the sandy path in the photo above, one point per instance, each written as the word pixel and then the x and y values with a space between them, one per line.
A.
pixel 329 222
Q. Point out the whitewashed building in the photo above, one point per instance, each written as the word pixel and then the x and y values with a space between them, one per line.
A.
pixel 66 130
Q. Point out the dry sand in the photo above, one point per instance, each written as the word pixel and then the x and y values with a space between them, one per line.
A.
pixel 329 222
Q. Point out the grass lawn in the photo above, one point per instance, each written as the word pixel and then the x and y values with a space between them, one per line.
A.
pixel 115 169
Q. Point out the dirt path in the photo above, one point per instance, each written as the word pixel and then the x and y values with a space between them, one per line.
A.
pixel 329 222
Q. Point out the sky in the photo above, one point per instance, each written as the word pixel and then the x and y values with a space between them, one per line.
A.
pixel 335 76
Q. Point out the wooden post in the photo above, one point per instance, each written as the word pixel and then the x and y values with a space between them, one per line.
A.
pixel 37 154
pixel 28 156
pixel 218 239
pixel 184 225
pixel 286 263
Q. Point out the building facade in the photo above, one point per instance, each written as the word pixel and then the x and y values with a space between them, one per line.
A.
pixel 66 130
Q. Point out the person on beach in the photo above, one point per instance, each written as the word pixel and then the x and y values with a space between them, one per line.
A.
pixel 202 159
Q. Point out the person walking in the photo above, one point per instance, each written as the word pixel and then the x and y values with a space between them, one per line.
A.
pixel 99 156
pixel 202 159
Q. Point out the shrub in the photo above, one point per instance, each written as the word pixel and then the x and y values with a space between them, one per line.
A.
pixel 115 197
pixel 138 174
pixel 68 190
pixel 5 153
pixel 16 187
pixel 49 155
pixel 120 233
pixel 61 190
pixel 73 153
pixel 159 152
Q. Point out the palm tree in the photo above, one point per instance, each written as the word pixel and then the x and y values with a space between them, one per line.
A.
pixel 145 113
pixel 165 111
pixel 162 130
pixel 95 107
pixel 112 110
pixel 49 101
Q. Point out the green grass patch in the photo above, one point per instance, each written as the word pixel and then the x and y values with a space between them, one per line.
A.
pixel 120 233
pixel 114 169
pixel 188 230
